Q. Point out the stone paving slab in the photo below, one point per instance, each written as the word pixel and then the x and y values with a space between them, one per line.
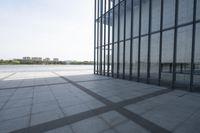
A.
pixel 30 79
pixel 4 75
pixel 169 110
pixel 41 106
pixel 14 124
pixel 84 77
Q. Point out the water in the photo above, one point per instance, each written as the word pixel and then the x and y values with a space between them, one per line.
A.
pixel 32 68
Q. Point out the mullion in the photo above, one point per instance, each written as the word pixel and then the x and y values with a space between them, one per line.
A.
pixel 113 37
pixel 104 65
pixel 193 45
pixel 175 44
pixel 124 44
pixel 108 65
pixel 95 36
pixel 101 45
pixel 98 39
pixel 149 41
pixel 158 31
pixel 118 40
pixel 139 40
pixel 121 1
pixel 161 39
pixel 131 40
pixel 101 37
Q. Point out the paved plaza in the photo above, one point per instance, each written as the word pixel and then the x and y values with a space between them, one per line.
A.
pixel 80 102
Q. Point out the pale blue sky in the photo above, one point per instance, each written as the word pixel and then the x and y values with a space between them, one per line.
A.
pixel 46 28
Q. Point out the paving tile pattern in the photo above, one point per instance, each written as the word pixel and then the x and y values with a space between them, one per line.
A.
pixel 51 98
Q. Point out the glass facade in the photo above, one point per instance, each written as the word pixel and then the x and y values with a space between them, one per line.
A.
pixel 151 41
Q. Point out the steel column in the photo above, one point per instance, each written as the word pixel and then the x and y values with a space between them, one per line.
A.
pixel 161 38
pixel 98 38
pixel 139 39
pixel 108 61
pixel 113 40
pixel 104 60
pixel 118 38
pixel 101 36
pixel 149 41
pixel 131 41
pixel 94 36
pixel 124 46
pixel 193 45
pixel 175 44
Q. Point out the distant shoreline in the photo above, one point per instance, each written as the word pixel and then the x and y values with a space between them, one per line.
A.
pixel 22 62
pixel 45 64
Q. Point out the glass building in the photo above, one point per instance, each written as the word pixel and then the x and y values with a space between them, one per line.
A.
pixel 151 41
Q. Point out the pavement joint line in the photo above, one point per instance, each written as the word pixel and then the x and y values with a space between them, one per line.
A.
pixel 8 100
pixel 110 106
pixel 56 101
pixel 8 76
pixel 152 127
pixel 78 117
pixel 49 84
pixel 30 116
pixel 92 80
pixel 29 86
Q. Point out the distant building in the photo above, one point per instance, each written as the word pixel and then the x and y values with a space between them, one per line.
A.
pixel 46 59
pixel 36 58
pixel 26 58
pixel 68 61
pixel 55 59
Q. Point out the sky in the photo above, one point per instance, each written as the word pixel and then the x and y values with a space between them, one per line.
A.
pixel 47 28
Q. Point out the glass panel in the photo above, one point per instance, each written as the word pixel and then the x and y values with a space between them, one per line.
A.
pixel 116 2
pixel 168 13
pixel 183 57
pixel 98 47
pixel 128 18
pixel 106 60
pixel 167 57
pixel 135 58
pixel 95 60
pixel 116 24
pixel 197 59
pixel 110 61
pixel 111 3
pixel 102 59
pixel 111 36
pixel 101 7
pixel 145 16
pixel 127 58
pixel 143 58
pixel 136 19
pixel 198 10
pixel 96 33
pixel 185 12
pixel 115 59
pixel 121 59
pixel 122 21
pixel 111 27
pixel 154 58
pixel 103 2
pixel 96 11
pixel 102 48
pixel 106 29
pixel 99 60
pixel 103 33
pixel 156 9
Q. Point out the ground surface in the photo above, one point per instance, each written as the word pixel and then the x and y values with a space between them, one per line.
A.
pixel 76 101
